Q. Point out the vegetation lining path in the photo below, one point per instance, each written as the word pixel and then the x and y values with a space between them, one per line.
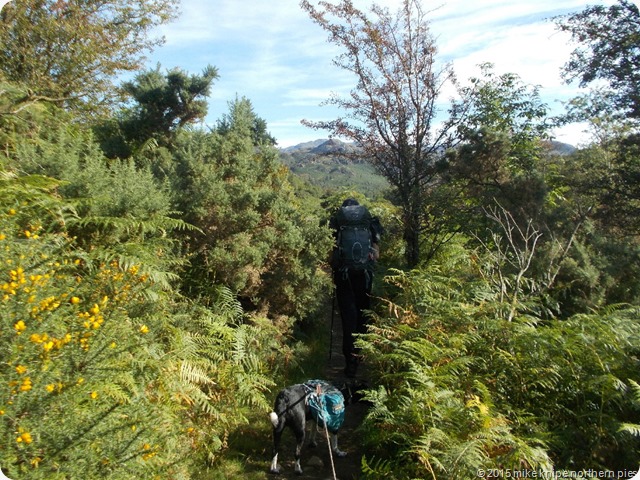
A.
pixel 257 452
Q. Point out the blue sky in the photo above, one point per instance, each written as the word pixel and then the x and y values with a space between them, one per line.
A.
pixel 270 52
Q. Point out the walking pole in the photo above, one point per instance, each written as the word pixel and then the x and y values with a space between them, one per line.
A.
pixel 333 309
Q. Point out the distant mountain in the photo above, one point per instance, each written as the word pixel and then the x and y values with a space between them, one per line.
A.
pixel 333 147
pixel 560 148
pixel 321 147
pixel 306 146
pixel 327 164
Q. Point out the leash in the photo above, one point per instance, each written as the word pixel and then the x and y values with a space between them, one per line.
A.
pixel 333 467
pixel 326 431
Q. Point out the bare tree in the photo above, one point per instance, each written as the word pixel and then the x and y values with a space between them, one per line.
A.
pixel 514 249
pixel 391 113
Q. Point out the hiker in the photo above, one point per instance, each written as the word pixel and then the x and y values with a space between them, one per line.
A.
pixel 357 235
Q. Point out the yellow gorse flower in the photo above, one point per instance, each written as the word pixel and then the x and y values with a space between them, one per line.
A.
pixel 38 338
pixel 26 385
pixel 49 304
pixel 24 437
pixel 148 454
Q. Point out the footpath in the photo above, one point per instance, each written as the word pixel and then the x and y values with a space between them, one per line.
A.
pixel 316 462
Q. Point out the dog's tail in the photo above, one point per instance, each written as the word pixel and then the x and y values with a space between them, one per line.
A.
pixel 273 416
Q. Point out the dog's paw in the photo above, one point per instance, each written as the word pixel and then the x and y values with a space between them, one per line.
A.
pixel 339 453
pixel 275 468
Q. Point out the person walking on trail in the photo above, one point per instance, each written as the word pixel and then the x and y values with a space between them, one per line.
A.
pixel 357 238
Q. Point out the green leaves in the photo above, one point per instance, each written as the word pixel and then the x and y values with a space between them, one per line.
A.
pixel 255 236
pixel 607 39
pixel 106 372
pixel 460 388
pixel 67 52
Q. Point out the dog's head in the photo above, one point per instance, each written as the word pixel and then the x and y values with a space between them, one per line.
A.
pixel 352 391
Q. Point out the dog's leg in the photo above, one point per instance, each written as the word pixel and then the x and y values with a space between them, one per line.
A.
pixel 334 446
pixel 274 465
pixel 313 434
pixel 277 434
pixel 299 431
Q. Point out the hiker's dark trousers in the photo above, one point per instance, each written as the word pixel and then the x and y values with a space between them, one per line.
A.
pixel 353 288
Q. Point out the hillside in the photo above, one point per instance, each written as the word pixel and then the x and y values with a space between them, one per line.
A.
pixel 327 164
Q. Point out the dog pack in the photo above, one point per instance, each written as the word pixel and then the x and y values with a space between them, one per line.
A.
pixel 326 404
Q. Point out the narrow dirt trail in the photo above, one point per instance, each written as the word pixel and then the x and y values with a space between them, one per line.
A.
pixel 316 462
pixel 250 445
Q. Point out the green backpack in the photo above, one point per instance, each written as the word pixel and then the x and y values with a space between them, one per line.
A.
pixel 354 242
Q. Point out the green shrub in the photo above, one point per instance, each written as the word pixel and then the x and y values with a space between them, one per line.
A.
pixel 81 373
pixel 107 373
pixel 461 387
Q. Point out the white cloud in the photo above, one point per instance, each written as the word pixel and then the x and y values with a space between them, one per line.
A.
pixel 273 54
pixel 576 134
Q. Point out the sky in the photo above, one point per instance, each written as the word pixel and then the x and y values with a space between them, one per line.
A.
pixel 270 52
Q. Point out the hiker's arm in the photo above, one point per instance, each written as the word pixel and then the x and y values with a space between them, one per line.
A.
pixel 374 254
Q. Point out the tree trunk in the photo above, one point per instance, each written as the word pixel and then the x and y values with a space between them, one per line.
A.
pixel 412 239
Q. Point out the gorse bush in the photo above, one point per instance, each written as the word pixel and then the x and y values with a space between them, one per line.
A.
pixel 105 373
pixel 254 234
pixel 81 369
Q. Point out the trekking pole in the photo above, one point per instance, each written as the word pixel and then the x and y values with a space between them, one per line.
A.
pixel 333 309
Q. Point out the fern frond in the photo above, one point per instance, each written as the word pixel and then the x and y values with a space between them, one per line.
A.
pixel 194 374
pixel 635 390
pixel 630 428
pixel 377 468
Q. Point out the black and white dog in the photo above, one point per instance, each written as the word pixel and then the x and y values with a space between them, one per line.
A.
pixel 293 407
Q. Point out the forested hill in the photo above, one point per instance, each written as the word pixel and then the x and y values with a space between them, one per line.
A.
pixel 329 164
pixel 326 163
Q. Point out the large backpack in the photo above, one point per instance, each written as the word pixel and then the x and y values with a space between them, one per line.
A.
pixel 354 240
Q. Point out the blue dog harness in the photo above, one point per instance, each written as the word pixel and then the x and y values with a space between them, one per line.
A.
pixel 326 404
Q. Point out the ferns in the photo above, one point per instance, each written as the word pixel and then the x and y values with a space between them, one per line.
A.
pixel 377 468
pixel 462 388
